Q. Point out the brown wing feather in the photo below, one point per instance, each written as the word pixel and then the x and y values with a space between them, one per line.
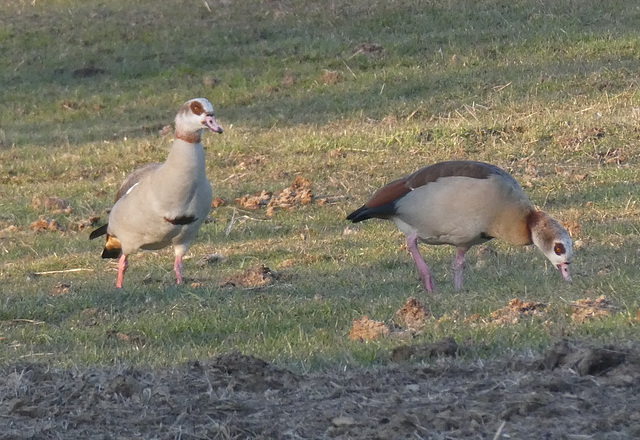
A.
pixel 388 193
pixel 113 248
pixel 134 178
pixel 462 168
pixel 398 188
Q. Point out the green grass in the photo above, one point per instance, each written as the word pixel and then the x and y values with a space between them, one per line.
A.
pixel 547 90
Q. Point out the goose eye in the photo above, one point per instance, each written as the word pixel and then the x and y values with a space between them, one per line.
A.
pixel 196 108
pixel 559 249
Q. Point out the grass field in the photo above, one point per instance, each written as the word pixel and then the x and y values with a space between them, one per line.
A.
pixel 350 95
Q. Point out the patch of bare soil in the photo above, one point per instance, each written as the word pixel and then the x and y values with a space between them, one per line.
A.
pixel 366 329
pixel 299 193
pixel 331 77
pixel 573 391
pixel 255 201
pixel 43 224
pixel 85 223
pixel 61 289
pixel 409 320
pixel 54 204
pixel 57 205
pixel 217 202
pixel 8 230
pixel 516 310
pixel 368 48
pixel 256 276
pixel 441 348
pixel 582 310
pixel 586 309
pixel 412 315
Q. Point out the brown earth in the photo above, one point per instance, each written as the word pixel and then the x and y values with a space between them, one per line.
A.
pixel 255 276
pixel 574 391
pixel 366 329
pixel 298 193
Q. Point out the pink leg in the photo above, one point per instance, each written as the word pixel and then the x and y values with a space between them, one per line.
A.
pixel 177 267
pixel 458 267
pixel 122 268
pixel 425 274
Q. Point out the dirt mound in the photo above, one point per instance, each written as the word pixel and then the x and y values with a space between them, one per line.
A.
pixel 240 396
pixel 587 309
pixel 583 360
pixel 43 224
pixel 412 315
pixel 368 48
pixel 410 319
pixel 299 193
pixel 54 204
pixel 255 201
pixel 239 372
pixel 366 329
pixel 444 347
pixel 217 202
pixel 255 276
pixel 516 309
pixel 582 310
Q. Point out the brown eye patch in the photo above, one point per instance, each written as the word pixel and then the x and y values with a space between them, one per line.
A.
pixel 559 249
pixel 197 108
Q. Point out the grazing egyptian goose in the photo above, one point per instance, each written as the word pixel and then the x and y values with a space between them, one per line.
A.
pixel 464 203
pixel 164 204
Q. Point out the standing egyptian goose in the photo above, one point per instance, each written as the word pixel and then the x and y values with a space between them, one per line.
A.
pixel 464 203
pixel 164 204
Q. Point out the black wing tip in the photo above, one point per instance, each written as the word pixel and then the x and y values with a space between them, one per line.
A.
pixel 366 212
pixel 111 253
pixel 358 215
pixel 99 232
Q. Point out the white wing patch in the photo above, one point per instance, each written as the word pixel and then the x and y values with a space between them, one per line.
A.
pixel 130 189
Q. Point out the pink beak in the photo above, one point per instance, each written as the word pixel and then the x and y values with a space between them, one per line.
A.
pixel 564 271
pixel 212 124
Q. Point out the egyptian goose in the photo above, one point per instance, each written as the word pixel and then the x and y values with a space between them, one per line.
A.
pixel 464 203
pixel 164 204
